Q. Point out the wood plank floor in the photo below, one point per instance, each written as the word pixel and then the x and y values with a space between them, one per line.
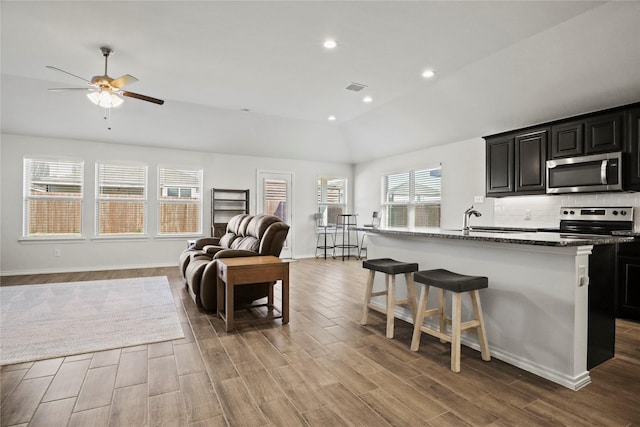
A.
pixel 321 369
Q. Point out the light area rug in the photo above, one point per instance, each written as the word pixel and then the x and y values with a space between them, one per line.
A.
pixel 62 319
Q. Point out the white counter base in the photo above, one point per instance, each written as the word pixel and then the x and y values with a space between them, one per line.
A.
pixel 535 308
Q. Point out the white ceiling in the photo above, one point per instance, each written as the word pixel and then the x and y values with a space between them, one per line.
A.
pixel 499 65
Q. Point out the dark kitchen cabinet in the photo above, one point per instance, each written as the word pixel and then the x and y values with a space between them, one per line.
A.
pixel 567 139
pixel 531 156
pixel 601 319
pixel 603 134
pixel 516 159
pixel 516 163
pixel 500 166
pixel 594 134
pixel 632 159
pixel 628 291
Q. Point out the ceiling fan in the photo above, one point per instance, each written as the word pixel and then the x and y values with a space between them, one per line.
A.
pixel 105 91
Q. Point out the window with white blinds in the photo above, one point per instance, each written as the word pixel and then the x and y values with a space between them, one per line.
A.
pixel 332 197
pixel 121 199
pixel 52 197
pixel 412 199
pixel 179 201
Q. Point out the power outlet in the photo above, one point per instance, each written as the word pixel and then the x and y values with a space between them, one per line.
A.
pixel 57 252
pixel 527 215
pixel 478 199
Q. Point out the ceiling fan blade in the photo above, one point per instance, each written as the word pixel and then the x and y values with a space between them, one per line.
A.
pixel 122 81
pixel 66 72
pixel 143 97
pixel 58 89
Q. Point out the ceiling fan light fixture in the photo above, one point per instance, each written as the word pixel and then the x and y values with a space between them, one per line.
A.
pixel 330 44
pixel 105 99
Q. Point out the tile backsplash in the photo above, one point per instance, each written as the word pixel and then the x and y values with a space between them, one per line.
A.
pixel 542 211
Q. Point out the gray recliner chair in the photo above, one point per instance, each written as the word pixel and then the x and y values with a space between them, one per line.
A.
pixel 246 235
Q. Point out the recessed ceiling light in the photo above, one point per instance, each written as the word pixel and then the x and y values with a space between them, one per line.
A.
pixel 330 44
pixel 367 99
pixel 428 74
pixel 331 118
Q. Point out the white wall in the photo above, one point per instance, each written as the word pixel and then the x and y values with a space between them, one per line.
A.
pixel 224 171
pixel 463 177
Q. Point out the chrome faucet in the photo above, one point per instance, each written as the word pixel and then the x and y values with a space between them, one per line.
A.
pixel 467 215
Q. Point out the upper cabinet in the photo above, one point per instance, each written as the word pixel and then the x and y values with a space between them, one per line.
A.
pixel 567 139
pixel 516 160
pixel 500 166
pixel 631 160
pixel 531 158
pixel 516 163
pixel 596 134
pixel 603 134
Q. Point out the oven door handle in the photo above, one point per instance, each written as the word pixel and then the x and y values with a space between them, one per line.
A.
pixel 603 172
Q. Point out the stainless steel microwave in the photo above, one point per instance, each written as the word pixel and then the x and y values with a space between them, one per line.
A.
pixel 597 172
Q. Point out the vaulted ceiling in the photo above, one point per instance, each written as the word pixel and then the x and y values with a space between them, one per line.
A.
pixel 253 78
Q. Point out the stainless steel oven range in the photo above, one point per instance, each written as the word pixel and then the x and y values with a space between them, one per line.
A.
pixel 598 220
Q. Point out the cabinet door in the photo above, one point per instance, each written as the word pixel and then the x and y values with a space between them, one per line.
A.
pixel 633 140
pixel 567 139
pixel 531 156
pixel 500 170
pixel 604 133
pixel 628 287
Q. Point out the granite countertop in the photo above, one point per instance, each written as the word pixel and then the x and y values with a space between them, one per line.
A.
pixel 626 233
pixel 504 235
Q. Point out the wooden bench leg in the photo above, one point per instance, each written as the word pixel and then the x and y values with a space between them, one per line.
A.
pixel 419 319
pixel 482 334
pixel 411 294
pixel 391 302
pixel 443 313
pixel 367 298
pixel 455 331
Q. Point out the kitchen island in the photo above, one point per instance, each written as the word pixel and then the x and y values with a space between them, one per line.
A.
pixel 536 306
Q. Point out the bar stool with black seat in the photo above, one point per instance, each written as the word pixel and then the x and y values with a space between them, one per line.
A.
pixel 390 268
pixel 458 284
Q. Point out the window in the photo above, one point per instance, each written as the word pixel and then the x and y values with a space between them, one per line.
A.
pixel 332 197
pixel 412 199
pixel 52 198
pixel 275 197
pixel 180 201
pixel 121 198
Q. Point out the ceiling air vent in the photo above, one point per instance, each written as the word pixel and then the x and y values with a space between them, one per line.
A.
pixel 356 87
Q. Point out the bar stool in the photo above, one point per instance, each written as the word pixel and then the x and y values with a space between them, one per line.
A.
pixel 390 268
pixel 345 224
pixel 458 284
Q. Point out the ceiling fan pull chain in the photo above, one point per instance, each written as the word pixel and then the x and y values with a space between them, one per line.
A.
pixel 107 116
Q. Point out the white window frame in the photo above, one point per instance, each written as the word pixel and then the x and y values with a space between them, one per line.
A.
pixel 163 198
pixel 413 198
pixel 324 205
pixel 28 198
pixel 144 200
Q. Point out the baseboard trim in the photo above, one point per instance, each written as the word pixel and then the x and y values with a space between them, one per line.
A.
pixel 573 383
pixel 84 269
